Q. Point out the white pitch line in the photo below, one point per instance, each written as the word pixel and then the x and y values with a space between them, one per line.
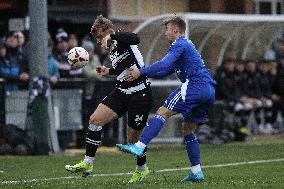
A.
pixel 159 171
pixel 1 171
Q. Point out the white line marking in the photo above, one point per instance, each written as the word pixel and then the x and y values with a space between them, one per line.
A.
pixel 1 171
pixel 158 171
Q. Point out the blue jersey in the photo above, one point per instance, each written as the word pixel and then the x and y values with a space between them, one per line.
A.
pixel 197 94
pixel 183 59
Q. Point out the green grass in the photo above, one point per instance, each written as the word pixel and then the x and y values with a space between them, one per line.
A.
pixel 262 175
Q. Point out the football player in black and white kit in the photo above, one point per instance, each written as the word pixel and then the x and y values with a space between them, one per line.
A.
pixel 133 97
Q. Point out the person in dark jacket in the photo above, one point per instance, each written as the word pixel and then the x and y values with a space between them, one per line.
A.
pixel 278 91
pixel 10 70
pixel 252 92
pixel 227 86
pixel 18 55
pixel 265 80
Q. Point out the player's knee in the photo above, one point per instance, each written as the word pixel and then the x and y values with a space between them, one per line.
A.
pixel 166 113
pixel 96 120
pixel 188 128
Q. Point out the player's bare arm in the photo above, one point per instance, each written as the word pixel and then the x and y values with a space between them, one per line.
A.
pixel 102 70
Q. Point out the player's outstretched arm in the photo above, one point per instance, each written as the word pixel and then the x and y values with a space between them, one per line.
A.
pixel 160 68
pixel 103 71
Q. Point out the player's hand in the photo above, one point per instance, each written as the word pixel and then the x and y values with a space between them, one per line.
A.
pixel 133 73
pixel 102 70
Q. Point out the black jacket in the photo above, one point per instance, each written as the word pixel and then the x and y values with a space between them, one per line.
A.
pixel 265 83
pixel 227 88
pixel 251 85
pixel 278 84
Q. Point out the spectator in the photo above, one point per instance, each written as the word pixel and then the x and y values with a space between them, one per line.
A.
pixel 22 53
pixel 72 41
pixel 273 70
pixel 278 91
pixel 252 92
pixel 53 72
pixel 9 70
pixel 17 56
pixel 265 87
pixel 227 82
pixel 21 39
pixel 279 49
pixel 89 70
pixel 60 53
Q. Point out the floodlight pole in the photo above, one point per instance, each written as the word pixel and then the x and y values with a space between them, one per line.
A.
pixel 43 121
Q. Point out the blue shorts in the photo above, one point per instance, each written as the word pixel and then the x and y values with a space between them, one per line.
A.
pixel 192 101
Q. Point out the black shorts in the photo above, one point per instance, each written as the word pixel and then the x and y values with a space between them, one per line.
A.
pixel 138 106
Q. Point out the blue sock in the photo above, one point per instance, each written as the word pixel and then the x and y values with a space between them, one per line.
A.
pixel 152 129
pixel 193 149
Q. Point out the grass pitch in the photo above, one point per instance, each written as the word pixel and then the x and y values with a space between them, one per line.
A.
pixel 231 165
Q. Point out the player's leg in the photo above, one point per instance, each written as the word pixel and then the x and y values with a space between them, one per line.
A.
pixel 154 125
pixel 140 104
pixel 141 167
pixel 151 130
pixel 133 136
pixel 195 110
pixel 102 115
pixel 111 107
pixel 193 151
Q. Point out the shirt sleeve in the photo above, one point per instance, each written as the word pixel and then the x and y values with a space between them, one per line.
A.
pixel 167 64
pixel 126 38
pixel 112 71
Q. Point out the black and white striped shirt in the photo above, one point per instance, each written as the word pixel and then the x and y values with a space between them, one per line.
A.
pixel 124 54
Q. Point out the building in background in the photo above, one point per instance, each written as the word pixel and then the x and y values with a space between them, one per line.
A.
pixel 78 15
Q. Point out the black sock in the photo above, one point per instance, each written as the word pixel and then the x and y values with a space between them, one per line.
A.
pixel 142 160
pixel 93 140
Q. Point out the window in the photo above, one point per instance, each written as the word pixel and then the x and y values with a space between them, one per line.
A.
pixel 269 7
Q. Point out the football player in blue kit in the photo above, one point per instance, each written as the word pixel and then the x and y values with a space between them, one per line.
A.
pixel 193 99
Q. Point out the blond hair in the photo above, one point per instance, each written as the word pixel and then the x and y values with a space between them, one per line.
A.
pixel 101 24
pixel 177 21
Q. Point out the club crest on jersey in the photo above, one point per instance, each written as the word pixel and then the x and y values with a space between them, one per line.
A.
pixel 113 55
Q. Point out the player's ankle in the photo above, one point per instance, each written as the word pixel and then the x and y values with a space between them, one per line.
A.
pixel 141 167
pixel 140 144
pixel 195 169
pixel 89 160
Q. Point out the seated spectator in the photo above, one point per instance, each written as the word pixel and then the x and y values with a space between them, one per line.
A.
pixel 226 82
pixel 252 92
pixel 279 49
pixel 278 91
pixel 265 81
pixel 53 72
pixel 230 86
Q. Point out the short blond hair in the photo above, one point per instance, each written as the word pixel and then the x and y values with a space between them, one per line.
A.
pixel 177 21
pixel 101 24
